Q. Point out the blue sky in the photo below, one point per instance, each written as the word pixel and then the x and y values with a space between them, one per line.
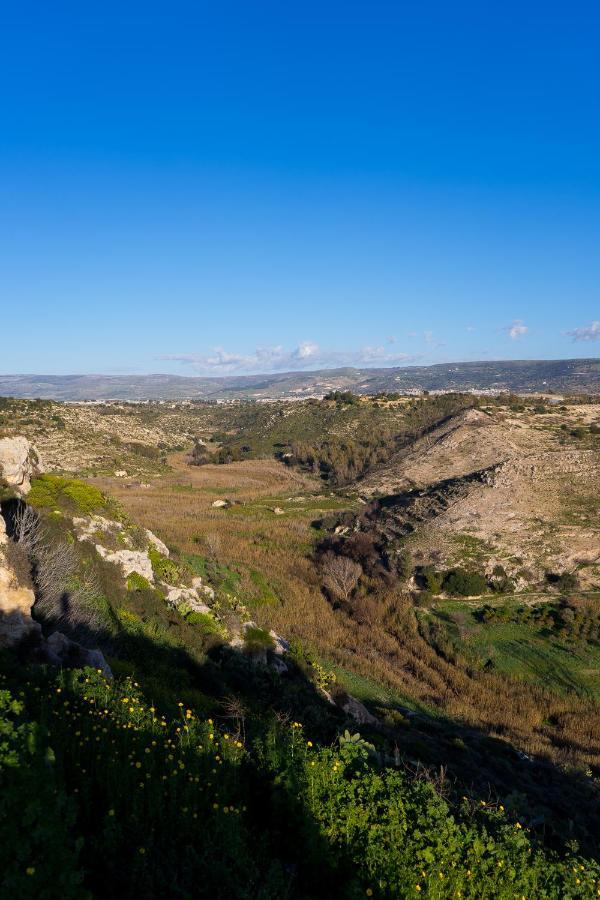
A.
pixel 237 187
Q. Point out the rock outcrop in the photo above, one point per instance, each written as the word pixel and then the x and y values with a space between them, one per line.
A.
pixel 187 598
pixel 16 601
pixel 62 651
pixel 130 561
pixel 19 462
pixel 118 544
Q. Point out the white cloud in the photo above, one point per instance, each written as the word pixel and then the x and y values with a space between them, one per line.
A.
pixel 589 332
pixel 307 355
pixel 470 328
pixel 516 329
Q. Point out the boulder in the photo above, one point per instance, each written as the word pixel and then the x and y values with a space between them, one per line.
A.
pixel 73 656
pixel 281 646
pixel 19 462
pixel 357 710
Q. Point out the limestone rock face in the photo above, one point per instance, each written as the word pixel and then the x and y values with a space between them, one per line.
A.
pixel 157 543
pixel 15 609
pixel 15 601
pixel 186 596
pixel 97 528
pixel 129 560
pixel 19 461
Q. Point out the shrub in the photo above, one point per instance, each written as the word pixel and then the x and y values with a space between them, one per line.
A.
pixel 164 569
pixel 461 583
pixel 199 455
pixel 432 580
pixel 206 623
pixel 257 640
pixel 137 582
pixel 567 581
pixel 404 564
pixel 38 854
pixel 50 491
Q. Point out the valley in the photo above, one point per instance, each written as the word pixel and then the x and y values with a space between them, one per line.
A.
pixel 423 572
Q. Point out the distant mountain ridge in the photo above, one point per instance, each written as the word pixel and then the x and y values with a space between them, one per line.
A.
pixel 562 375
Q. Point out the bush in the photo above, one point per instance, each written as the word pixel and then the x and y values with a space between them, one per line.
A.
pixel 567 582
pixel 257 640
pixel 137 582
pixel 207 624
pixel 461 583
pixel 199 455
pixel 432 580
pixel 56 491
pixel 164 569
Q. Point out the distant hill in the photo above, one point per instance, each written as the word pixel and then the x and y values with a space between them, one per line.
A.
pixel 563 375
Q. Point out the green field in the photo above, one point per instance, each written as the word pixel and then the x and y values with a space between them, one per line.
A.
pixel 521 651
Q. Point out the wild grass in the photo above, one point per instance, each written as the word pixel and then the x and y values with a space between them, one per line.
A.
pixel 379 638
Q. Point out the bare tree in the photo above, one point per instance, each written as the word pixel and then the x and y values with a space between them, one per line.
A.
pixel 26 526
pixel 61 596
pixel 234 709
pixel 340 575
pixel 212 542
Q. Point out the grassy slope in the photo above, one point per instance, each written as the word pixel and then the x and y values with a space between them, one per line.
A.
pixel 524 651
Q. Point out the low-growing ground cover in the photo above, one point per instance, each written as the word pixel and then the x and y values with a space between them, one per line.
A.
pixel 169 802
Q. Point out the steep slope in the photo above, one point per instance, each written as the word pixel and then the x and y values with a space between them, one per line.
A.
pixel 536 507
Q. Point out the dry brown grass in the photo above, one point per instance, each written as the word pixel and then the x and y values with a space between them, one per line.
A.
pixel 380 640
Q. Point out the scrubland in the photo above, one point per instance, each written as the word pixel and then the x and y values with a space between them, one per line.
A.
pixel 486 728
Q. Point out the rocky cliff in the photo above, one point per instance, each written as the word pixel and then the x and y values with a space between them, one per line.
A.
pixel 19 462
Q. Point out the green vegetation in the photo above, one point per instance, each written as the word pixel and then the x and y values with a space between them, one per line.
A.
pixel 159 798
pixel 164 569
pixel 460 583
pixel 137 582
pixel 343 397
pixel 550 643
pixel 360 433
pixel 257 640
pixel 60 492
pixel 265 594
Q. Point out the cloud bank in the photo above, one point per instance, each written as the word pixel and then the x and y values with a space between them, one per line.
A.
pixel 307 355
pixel 589 332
